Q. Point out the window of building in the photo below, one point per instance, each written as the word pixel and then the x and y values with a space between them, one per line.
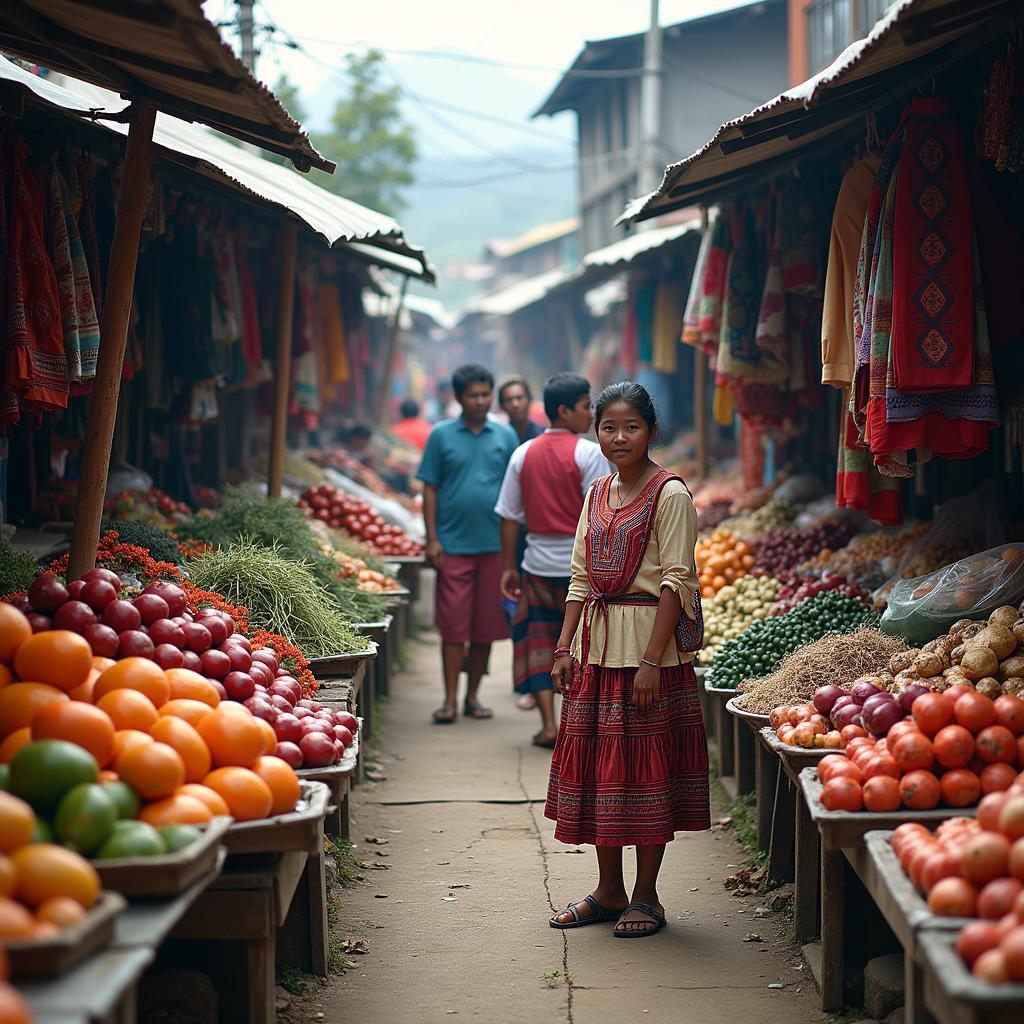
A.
pixel 828 31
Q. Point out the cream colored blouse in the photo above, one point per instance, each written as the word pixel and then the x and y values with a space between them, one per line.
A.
pixel 667 562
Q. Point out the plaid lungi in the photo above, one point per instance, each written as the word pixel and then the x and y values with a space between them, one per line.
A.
pixel 535 631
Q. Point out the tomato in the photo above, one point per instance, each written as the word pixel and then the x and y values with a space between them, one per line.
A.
pixel 944 863
pixel 920 790
pixel 954 746
pixel 998 897
pixel 1010 713
pixel 1015 865
pixel 996 778
pixel 904 833
pixel 913 750
pixel 974 711
pixel 1011 816
pixel 953 897
pixel 932 712
pixel 1012 949
pixel 985 857
pixel 882 764
pixel 960 787
pixel 989 809
pixel 881 794
pixel 842 793
pixel 996 744
pixel 976 938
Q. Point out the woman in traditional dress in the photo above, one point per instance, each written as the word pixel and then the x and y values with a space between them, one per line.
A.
pixel 630 767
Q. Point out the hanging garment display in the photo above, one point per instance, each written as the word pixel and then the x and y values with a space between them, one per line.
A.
pixel 691 313
pixel 665 328
pixel 713 286
pixel 332 323
pixel 85 203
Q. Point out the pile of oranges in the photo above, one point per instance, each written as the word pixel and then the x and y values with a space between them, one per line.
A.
pixel 722 558
pixel 186 754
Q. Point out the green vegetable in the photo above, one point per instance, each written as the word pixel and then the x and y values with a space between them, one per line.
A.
pixel 17 570
pixel 759 649
pixel 282 595
pixel 159 543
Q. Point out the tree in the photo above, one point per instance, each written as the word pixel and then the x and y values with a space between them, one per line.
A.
pixel 370 140
pixel 285 91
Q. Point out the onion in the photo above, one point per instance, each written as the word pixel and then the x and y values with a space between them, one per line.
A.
pixel 826 696
pixel 862 690
pixel 882 697
pixel 909 694
pixel 849 714
pixel 881 717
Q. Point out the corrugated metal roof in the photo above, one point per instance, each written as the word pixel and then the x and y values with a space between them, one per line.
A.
pixel 622 53
pixel 903 46
pixel 517 297
pixel 166 50
pixel 539 234
pixel 334 219
pixel 624 251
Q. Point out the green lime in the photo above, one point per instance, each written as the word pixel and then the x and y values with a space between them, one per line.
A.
pixel 42 833
pixel 85 817
pixel 177 837
pixel 42 772
pixel 5 775
pixel 125 798
pixel 132 839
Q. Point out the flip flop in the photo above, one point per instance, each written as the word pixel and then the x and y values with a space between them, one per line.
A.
pixel 658 920
pixel 476 710
pixel 444 716
pixel 598 916
pixel 542 743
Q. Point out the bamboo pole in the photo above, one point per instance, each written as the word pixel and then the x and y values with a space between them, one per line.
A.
pixel 117 304
pixel 384 389
pixel 283 364
pixel 700 411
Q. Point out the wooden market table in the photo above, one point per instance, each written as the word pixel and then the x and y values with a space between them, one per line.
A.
pixel 843 839
pixel 381 666
pixel 745 728
pixel 722 729
pixel 350 692
pixel 338 779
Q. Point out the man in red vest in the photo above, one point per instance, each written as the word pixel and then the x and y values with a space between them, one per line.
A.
pixel 545 483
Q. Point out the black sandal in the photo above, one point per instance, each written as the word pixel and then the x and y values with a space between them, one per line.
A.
pixel 444 716
pixel 545 744
pixel 657 921
pixel 474 709
pixel 598 915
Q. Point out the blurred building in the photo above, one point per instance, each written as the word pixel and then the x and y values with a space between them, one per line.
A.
pixel 819 30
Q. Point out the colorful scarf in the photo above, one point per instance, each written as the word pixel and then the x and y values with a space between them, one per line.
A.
pixel 691 313
pixel 712 295
pixel 665 329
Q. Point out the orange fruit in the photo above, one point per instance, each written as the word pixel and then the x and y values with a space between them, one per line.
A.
pixel 232 735
pixel 178 809
pixel 210 797
pixel 153 770
pixel 8 876
pixel 195 754
pixel 102 664
pixel 15 629
pixel 45 930
pixel 128 709
pixel 20 702
pixel 248 797
pixel 269 736
pixel 14 742
pixel 45 870
pixel 83 724
pixel 57 656
pixel 282 780
pixel 106 775
pixel 17 822
pixel 13 1008
pixel 60 911
pixel 126 739
pixel 15 921
pixel 84 692
pixel 188 685
pixel 135 674
pixel 6 675
pixel 192 711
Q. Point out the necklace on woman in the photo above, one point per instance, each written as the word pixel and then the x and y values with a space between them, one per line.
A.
pixel 618 485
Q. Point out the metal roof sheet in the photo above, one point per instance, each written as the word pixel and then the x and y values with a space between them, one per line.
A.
pixel 336 220
pixel 517 297
pixel 624 251
pixel 166 50
pixel 902 48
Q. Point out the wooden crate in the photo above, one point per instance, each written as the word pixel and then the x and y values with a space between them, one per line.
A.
pixel 301 829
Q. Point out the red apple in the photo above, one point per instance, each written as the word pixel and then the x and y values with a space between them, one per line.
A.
pixel 166 631
pixel 288 727
pixel 317 750
pixel 102 639
pixel 197 637
pixel 39 623
pixel 240 641
pixel 261 673
pixel 151 607
pixel 74 615
pixel 97 594
pixel 290 691
pixel 168 656
pixel 315 725
pixel 280 703
pixel 348 720
pixel 47 593
pixel 192 661
pixel 215 624
pixel 301 713
pixel 133 643
pixel 107 575
pixel 267 657
pixel 239 686
pixel 342 734
pixel 240 658
pixel 290 753
pixel 216 664
pixel 171 594
pixel 74 589
pixel 261 709
pixel 305 702
pixel 219 687
pixel 120 615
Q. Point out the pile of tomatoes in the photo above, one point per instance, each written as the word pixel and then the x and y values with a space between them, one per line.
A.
pixel 974 868
pixel 721 559
pixel 358 519
pixel 955 747
pixel 796 588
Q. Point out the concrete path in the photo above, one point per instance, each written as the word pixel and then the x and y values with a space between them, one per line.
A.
pixel 456 928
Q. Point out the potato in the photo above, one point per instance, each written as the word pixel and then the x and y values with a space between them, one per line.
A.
pixel 979 662
pixel 902 660
pixel 930 646
pixel 1014 687
pixel 907 676
pixel 990 687
pixel 959 626
pixel 968 632
pixel 1018 631
pixel 1011 667
pixel 928 664
pixel 957 654
pixel 998 639
pixel 1005 615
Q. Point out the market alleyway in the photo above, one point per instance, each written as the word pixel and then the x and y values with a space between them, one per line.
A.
pixel 456 927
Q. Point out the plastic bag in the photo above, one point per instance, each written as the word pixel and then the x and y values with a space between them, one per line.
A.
pixel 925 607
pixel 128 478
pixel 800 489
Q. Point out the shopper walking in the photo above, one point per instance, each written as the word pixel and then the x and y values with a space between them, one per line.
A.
pixel 630 767
pixel 543 490
pixel 412 428
pixel 514 397
pixel 462 469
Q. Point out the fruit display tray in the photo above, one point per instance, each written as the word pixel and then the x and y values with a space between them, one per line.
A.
pixel 344 665
pixel 53 955
pixel 167 874
pixel 750 716
pixel 301 829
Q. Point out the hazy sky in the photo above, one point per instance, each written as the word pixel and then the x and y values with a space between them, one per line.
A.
pixel 544 34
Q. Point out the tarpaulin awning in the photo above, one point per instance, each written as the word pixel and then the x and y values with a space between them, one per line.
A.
pixel 908 45
pixel 164 50
pixel 336 220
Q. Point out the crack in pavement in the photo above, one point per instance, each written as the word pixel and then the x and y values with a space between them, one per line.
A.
pixel 547 884
pixel 457 800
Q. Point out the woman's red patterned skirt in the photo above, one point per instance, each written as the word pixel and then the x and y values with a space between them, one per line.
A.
pixel 623 777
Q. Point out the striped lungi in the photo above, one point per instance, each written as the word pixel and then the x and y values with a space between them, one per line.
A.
pixel 535 630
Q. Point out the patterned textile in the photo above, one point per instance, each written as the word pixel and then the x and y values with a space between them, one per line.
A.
pixel 691 313
pixel 738 355
pixel 621 776
pixel 859 485
pixel 616 541
pixel 35 368
pixel 535 630
pixel 932 304
pixel 712 295
pixel 85 201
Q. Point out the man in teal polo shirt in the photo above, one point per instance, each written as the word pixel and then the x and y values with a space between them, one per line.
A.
pixel 462 469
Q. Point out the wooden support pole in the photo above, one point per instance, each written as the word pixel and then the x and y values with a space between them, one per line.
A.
pixel 283 363
pixel 117 304
pixel 700 411
pixel 380 413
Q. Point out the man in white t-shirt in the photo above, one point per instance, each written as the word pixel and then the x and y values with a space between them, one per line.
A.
pixel 545 483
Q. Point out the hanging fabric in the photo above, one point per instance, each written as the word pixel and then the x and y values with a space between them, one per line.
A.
pixel 691 313
pixel 712 296
pixel 644 300
pixel 332 323
pixel 85 202
pixel 665 328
